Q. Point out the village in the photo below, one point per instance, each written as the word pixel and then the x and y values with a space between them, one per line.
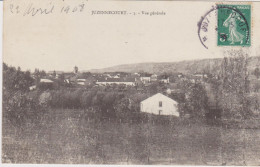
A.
pixel 131 117
pixel 177 87
pixel 169 84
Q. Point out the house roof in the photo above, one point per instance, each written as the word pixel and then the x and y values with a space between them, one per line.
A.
pixel 159 96
pixel 46 81
pixel 145 75
pixel 128 79
pixel 68 75
pixel 163 77
pixel 81 80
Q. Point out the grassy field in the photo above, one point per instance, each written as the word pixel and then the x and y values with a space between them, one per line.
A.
pixel 68 136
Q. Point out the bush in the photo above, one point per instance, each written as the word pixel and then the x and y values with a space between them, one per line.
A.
pixel 21 108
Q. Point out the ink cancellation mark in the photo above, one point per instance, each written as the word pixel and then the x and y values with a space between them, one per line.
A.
pixel 232 28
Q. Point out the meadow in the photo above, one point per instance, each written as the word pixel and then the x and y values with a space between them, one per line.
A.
pixel 67 136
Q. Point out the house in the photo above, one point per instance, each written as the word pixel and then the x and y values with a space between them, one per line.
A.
pixel 136 74
pixel 32 87
pixel 160 104
pixel 46 81
pixel 91 80
pixel 81 81
pixel 145 78
pixel 55 74
pixel 164 79
pixel 67 81
pixel 72 78
pixel 88 81
pixel 119 81
pixel 45 84
pixel 195 78
pixel 180 75
pixel 69 75
pixel 173 88
pixel 154 78
pixel 199 75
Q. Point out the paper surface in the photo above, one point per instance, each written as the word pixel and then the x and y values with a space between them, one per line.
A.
pixel 144 39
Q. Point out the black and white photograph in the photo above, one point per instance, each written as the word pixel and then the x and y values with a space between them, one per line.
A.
pixel 131 83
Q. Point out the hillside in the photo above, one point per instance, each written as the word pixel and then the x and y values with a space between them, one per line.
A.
pixel 191 66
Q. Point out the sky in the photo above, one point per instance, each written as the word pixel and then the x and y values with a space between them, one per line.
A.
pixel 59 41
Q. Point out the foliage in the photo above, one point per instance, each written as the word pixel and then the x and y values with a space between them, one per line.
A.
pixel 195 101
pixel 39 74
pixel 256 72
pixel 156 87
pixel 15 79
pixel 235 84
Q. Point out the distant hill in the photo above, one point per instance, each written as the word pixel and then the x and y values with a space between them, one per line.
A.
pixel 185 67
pixel 182 67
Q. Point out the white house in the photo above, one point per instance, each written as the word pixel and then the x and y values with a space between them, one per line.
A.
pixel 154 77
pixel 81 81
pixel 145 78
pixel 165 80
pixel 118 81
pixel 46 81
pixel 32 87
pixel 160 104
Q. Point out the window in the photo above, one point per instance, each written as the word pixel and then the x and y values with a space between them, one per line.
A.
pixel 160 103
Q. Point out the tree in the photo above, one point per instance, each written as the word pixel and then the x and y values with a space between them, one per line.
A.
pixel 38 75
pixel 86 74
pixel 156 87
pixel 192 99
pixel 14 80
pixel 257 72
pixel 61 79
pixel 256 87
pixel 16 100
pixel 122 108
pixel 54 74
pixel 235 84
pixel 196 100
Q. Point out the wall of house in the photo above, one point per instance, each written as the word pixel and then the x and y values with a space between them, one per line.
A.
pixel 151 105
pixel 145 79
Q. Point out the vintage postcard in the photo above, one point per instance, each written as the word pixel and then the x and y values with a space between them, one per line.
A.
pixel 131 82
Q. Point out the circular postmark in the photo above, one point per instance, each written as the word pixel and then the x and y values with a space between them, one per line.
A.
pixel 230 24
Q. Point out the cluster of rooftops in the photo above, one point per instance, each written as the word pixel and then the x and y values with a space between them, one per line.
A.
pixel 108 78
pixel 87 78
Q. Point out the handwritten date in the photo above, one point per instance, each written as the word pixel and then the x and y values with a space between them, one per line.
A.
pixel 50 8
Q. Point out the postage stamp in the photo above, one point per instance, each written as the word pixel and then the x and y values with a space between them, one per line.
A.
pixel 234 25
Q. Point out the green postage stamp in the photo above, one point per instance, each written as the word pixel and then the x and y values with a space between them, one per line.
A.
pixel 234 25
